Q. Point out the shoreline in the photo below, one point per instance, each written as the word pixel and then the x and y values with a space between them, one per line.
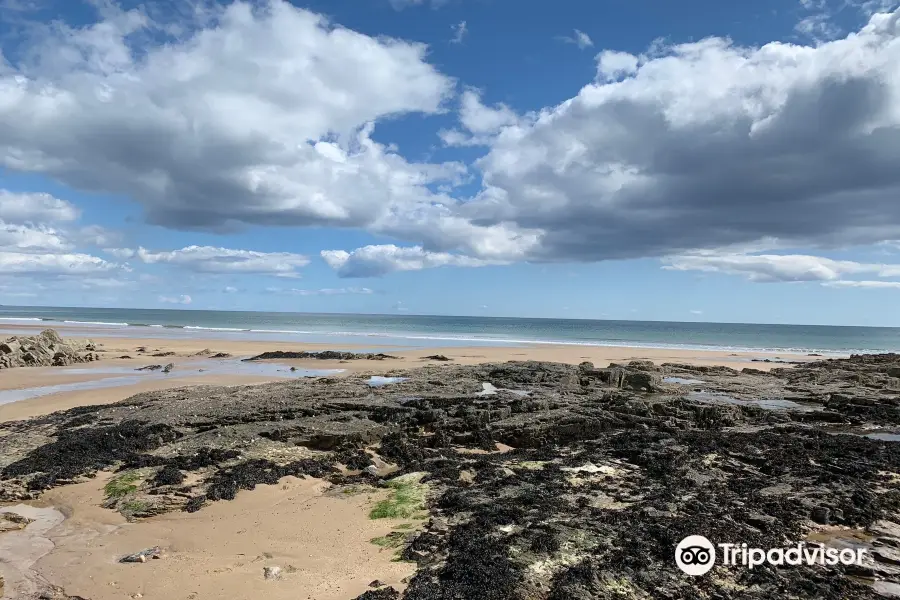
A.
pixel 368 339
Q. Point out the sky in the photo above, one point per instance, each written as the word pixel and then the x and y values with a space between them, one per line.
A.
pixel 645 160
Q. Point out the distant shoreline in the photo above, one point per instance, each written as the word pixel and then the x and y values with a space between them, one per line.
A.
pixel 348 340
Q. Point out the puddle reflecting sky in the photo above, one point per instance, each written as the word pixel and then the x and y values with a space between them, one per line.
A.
pixel 378 380
pixel 130 376
pixel 682 380
pixel 767 403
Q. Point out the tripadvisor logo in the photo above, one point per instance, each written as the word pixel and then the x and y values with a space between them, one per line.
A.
pixel 696 555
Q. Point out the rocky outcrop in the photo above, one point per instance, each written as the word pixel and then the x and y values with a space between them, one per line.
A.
pixel 46 349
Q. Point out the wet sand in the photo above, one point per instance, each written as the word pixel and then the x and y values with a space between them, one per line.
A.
pixel 321 542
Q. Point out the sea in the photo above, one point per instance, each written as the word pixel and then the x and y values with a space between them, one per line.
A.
pixel 417 331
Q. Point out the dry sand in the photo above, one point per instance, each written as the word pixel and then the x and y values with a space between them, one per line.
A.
pixel 321 542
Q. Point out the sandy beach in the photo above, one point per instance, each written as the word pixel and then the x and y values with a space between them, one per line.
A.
pixel 220 552
pixel 183 354
pixel 321 540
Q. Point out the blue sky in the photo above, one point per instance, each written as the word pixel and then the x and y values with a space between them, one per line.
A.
pixel 704 161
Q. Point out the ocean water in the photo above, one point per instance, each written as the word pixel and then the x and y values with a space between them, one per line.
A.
pixel 435 331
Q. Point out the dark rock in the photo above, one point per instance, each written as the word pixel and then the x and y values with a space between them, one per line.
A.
pixel 194 504
pixel 168 475
pixel 437 357
pixel 150 368
pixel 821 515
pixel 387 593
pixel 643 365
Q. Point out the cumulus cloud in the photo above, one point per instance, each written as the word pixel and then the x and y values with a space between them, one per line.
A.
pixel 31 245
pixel 480 122
pixel 182 299
pixel 17 263
pixel 779 268
pixel 208 259
pixel 262 114
pixel 266 117
pixel 372 261
pixel 708 144
pixel 612 65
pixel 34 207
pixel 24 238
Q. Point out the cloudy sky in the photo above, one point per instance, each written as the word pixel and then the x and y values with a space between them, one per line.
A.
pixel 700 160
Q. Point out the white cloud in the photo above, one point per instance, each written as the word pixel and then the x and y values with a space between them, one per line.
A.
pixel 53 264
pixel 579 38
pixel 182 299
pixel 260 114
pixel 612 65
pixel 372 261
pixel 207 259
pixel 23 208
pixel 265 117
pixel 481 122
pixel 25 238
pixel 229 289
pixel 30 248
pixel 818 27
pixel 687 147
pixel 772 267
pixel 709 144
pixel 696 312
pixel 459 32
pixel 864 284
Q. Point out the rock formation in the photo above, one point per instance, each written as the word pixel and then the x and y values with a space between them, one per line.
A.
pixel 46 349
